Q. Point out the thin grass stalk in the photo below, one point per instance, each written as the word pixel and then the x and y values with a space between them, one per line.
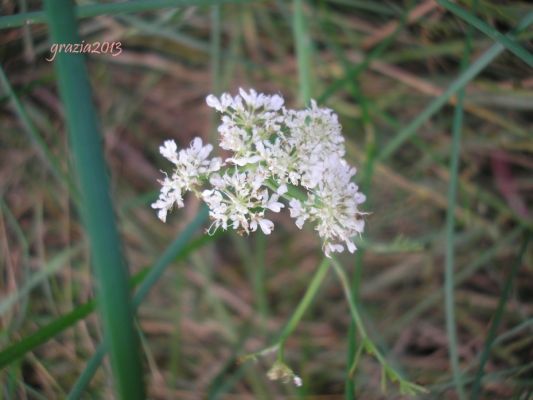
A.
pixel 94 10
pixel 87 374
pixel 449 295
pixel 259 278
pixel 367 343
pixel 476 387
pixel 168 256
pixel 354 349
pixel 470 73
pixel 109 265
pixel 354 72
pixel 303 305
pixel 303 52
pixel 18 349
pixel 50 160
pixel 215 50
pixel 467 271
pixel 176 247
pixel 509 43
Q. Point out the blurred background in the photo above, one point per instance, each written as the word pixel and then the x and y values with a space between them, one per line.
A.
pixel 379 65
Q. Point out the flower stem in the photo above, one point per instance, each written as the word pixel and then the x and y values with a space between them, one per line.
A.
pixel 303 305
pixel 279 344
pixel 367 343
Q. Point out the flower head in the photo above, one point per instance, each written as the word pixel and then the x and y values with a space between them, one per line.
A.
pixel 272 148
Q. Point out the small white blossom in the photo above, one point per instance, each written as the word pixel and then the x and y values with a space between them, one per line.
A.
pixel 169 151
pixel 239 200
pixel 190 165
pixel 298 212
pixel 333 205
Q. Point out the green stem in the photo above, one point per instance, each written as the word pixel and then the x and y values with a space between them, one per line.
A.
pixel 449 298
pixel 366 342
pixel 176 249
pixel 498 314
pixel 351 302
pixel 510 43
pixel 259 279
pixel 303 51
pixel 97 210
pixel 303 305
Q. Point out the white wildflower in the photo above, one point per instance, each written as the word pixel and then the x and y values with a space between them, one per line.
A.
pixel 276 153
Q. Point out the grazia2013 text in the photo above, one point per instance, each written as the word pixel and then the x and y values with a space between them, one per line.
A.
pixel 113 48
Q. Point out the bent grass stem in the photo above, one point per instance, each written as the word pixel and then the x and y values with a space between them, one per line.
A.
pixel 389 373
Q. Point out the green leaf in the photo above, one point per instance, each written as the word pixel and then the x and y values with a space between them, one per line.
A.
pixel 94 10
pixel 110 269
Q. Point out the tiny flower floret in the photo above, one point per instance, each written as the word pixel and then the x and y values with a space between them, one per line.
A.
pixel 276 154
pixel 282 372
pixel 190 166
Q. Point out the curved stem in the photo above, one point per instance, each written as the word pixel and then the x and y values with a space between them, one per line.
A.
pixel 367 343
pixel 303 305
pixel 279 344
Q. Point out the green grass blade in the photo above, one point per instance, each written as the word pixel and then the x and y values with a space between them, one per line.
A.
pixel 259 278
pixel 93 10
pixel 47 332
pixel 49 158
pixel 476 388
pixel 29 343
pixel 304 303
pixel 176 249
pixel 215 50
pixel 449 295
pixel 509 43
pixel 108 261
pixel 87 375
pixel 170 255
pixel 352 80
pixel 354 72
pixel 466 272
pixel 38 277
pixel 302 42
pixel 215 55
pixel 156 30
pixel 470 73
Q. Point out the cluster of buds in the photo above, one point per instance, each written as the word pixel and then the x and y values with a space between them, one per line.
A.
pixel 278 157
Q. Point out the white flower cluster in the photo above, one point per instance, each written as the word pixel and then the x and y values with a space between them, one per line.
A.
pixel 276 153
